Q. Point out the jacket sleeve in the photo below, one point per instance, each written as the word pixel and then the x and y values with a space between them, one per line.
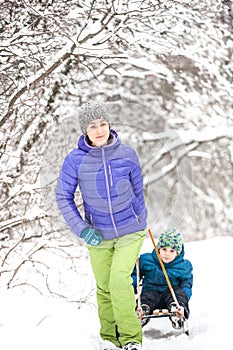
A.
pixel 137 181
pixel 65 191
pixel 187 279
pixel 134 275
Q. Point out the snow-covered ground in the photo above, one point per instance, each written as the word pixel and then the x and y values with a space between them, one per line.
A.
pixel 31 321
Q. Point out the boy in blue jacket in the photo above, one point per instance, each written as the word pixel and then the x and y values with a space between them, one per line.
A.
pixel 155 292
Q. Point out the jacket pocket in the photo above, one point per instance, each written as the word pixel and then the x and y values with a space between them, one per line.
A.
pixel 89 218
pixel 135 215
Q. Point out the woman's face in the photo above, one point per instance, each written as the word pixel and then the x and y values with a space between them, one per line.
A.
pixel 98 132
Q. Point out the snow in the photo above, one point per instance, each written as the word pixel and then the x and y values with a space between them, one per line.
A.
pixel 32 321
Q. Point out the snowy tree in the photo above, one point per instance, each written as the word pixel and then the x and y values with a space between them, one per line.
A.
pixel 164 70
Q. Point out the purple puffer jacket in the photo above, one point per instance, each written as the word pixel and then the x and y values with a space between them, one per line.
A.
pixel 110 181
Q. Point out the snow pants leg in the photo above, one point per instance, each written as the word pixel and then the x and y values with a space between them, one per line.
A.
pixel 152 298
pixel 162 300
pixel 112 263
pixel 181 298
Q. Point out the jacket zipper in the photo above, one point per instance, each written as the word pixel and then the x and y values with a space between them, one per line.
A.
pixel 110 175
pixel 108 192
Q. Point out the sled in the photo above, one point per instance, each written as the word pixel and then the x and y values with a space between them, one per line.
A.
pixel 177 323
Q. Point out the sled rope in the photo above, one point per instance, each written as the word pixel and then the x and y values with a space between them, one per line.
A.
pixel 164 270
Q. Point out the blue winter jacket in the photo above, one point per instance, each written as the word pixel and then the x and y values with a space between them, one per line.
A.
pixel 110 181
pixel 179 273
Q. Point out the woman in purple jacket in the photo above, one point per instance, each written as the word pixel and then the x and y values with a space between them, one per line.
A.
pixel 110 181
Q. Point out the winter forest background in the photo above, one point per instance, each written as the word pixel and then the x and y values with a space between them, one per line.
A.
pixel 163 68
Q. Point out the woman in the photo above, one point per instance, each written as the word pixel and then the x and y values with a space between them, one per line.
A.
pixel 110 181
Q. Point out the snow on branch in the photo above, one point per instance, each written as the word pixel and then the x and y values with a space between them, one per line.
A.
pixel 205 134
pixel 172 165
pixel 178 144
pixel 38 77
pixel 190 135
pixel 215 201
pixel 20 220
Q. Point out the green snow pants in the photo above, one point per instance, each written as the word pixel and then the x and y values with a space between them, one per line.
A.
pixel 112 263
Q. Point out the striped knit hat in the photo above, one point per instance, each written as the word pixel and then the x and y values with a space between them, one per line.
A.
pixel 172 239
pixel 90 111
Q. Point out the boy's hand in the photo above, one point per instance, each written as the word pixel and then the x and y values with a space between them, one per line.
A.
pixel 180 312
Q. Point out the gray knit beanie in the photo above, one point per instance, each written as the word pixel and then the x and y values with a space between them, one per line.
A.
pixel 90 111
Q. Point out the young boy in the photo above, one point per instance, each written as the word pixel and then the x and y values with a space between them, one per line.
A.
pixel 155 292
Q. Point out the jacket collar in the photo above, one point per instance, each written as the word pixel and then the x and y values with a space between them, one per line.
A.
pixel 83 144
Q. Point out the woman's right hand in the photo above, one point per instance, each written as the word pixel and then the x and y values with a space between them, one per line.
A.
pixel 92 236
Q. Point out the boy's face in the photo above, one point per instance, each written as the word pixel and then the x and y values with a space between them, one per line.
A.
pixel 167 254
